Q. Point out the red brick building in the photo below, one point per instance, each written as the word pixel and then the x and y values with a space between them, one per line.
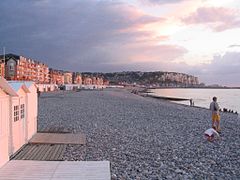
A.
pixel 21 68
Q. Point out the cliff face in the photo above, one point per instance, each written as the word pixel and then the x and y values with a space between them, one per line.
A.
pixel 157 78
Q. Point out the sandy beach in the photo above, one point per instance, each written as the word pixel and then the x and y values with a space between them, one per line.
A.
pixel 143 138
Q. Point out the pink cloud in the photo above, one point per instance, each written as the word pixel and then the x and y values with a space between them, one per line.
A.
pixel 219 19
pixel 132 18
pixel 155 53
pixel 158 2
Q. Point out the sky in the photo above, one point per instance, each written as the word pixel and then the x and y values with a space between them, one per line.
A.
pixel 197 37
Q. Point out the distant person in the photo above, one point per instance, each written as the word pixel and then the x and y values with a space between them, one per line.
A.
pixel 214 107
pixel 191 102
pixel 211 134
pixel 38 93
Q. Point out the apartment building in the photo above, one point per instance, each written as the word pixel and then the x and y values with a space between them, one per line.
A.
pixel 56 76
pixel 77 78
pixel 87 81
pixel 99 81
pixel 2 69
pixel 24 69
pixel 67 78
pixel 105 82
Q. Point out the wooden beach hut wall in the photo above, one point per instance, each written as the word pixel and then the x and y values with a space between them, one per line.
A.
pixel 6 93
pixel 32 110
pixel 18 119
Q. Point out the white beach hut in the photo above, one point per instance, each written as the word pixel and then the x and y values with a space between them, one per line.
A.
pixel 32 110
pixel 6 93
pixel 18 116
pixel 18 119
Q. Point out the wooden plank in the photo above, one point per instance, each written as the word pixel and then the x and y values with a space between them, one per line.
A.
pixel 30 153
pixel 55 170
pixel 22 153
pixel 64 147
pixel 62 138
pixel 41 152
pixel 35 153
pixel 54 153
pixel 42 148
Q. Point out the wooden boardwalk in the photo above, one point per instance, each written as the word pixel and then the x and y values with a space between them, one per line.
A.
pixel 55 170
pixel 58 138
pixel 41 152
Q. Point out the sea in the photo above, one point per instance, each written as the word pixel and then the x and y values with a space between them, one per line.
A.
pixel 227 98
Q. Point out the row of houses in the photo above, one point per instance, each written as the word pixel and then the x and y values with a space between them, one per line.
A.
pixel 15 67
pixel 18 116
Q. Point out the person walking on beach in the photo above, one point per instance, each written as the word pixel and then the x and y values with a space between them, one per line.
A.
pixel 214 107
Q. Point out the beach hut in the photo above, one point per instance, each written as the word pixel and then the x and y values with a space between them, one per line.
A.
pixel 6 93
pixel 32 110
pixel 18 116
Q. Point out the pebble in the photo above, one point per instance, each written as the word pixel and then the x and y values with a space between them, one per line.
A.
pixel 143 138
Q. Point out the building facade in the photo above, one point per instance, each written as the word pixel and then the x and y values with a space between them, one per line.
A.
pixel 68 78
pixel 56 77
pixel 77 78
pixel 2 69
pixel 87 81
pixel 24 69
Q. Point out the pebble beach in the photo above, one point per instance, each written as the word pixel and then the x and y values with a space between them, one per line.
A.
pixel 142 137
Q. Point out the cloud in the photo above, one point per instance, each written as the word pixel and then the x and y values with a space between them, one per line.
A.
pixel 160 2
pixel 234 46
pixel 217 18
pixel 223 70
pixel 83 35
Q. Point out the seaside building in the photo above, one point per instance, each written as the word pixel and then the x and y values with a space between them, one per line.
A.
pixel 68 78
pixel 24 69
pixel 99 81
pixel 94 81
pixel 87 81
pixel 77 78
pixel 105 82
pixel 2 69
pixel 56 76
pixel 18 117
pixel 20 68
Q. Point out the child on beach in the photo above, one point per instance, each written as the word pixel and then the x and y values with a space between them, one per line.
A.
pixel 214 107
pixel 211 133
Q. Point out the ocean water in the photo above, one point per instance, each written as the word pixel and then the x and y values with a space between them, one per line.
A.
pixel 227 98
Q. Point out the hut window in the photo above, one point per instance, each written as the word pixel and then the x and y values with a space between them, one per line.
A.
pixel 22 111
pixel 16 113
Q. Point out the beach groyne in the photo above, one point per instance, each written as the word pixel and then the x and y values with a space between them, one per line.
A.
pixel 143 138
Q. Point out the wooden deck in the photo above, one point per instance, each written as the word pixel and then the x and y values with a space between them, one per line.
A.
pixel 41 152
pixel 58 138
pixel 55 170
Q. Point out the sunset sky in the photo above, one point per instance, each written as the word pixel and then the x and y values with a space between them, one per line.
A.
pixel 198 37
